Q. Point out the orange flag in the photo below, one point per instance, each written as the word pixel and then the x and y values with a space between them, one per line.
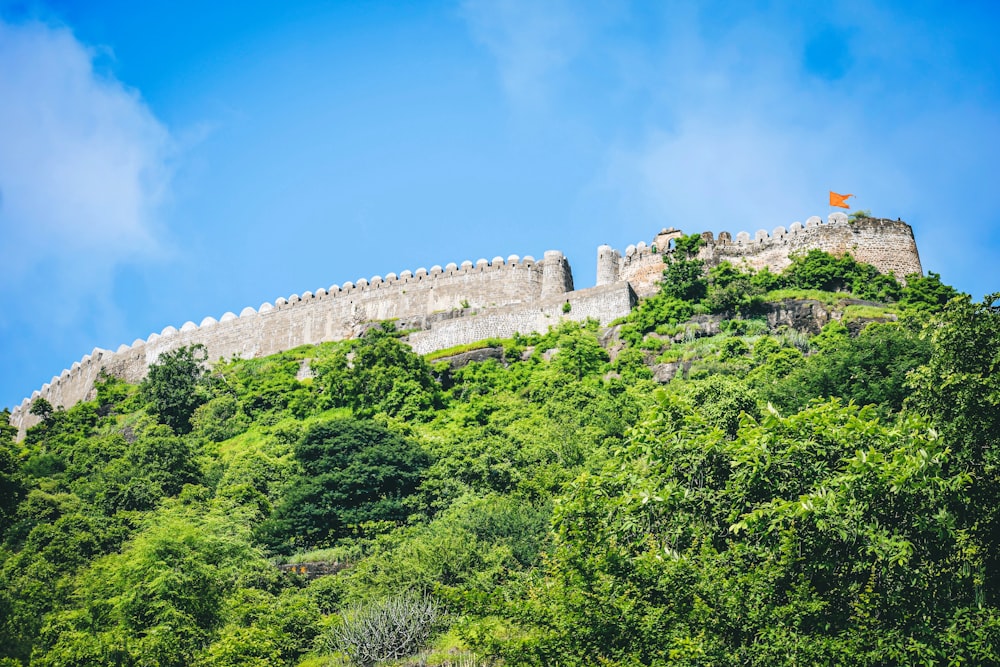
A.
pixel 839 200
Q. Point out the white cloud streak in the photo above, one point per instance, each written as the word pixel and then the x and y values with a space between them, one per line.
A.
pixel 83 162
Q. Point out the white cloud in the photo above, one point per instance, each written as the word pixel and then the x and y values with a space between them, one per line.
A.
pixel 83 162
pixel 531 41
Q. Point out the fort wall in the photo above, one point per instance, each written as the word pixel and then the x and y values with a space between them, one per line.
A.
pixel 604 304
pixel 888 245
pixel 414 299
pixel 461 304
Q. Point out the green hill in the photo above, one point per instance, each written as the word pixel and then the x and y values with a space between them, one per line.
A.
pixel 748 469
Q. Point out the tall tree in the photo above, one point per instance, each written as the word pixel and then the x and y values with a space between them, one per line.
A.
pixel 173 385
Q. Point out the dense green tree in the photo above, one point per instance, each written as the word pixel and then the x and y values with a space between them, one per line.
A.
pixel 870 369
pixel 959 390
pixel 155 466
pixel 379 374
pixel 820 270
pixel 732 290
pixel 12 486
pixel 825 538
pixel 684 274
pixel 926 292
pixel 173 386
pixel 156 602
pixel 353 472
pixel 41 408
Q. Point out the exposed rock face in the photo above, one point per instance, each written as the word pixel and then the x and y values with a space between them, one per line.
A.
pixel 465 358
pixel 314 570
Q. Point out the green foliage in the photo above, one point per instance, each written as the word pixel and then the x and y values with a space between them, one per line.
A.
pixel 688 246
pixel 157 601
pixel 379 374
pixel 926 292
pixel 652 312
pixel 732 290
pixel 41 408
pixel 352 472
pixel 173 386
pixel 220 418
pixel 959 387
pixel 820 270
pixel 822 537
pixel 12 486
pixel 389 629
pixel 785 499
pixel 683 275
pixel 156 465
pixel 113 394
pixel 7 430
pixel 870 369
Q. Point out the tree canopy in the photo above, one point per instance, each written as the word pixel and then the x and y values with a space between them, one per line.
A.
pixel 700 483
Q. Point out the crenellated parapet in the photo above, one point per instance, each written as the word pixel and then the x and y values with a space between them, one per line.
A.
pixel 413 298
pixel 463 303
pixel 641 265
pixel 888 245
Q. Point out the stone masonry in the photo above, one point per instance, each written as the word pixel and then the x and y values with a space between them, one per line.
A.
pixel 461 304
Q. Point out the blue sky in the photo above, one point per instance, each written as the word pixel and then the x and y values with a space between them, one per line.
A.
pixel 163 162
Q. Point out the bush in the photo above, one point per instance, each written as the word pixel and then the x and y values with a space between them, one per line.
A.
pixel 387 630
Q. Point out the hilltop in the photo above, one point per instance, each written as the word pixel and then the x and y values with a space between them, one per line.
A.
pixel 750 467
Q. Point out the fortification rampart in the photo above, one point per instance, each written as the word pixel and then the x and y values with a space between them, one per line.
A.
pixel 604 304
pixel 415 299
pixel 460 304
pixel 888 245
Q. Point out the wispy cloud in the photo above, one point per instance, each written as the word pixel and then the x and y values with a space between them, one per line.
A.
pixel 740 118
pixel 84 164
pixel 531 41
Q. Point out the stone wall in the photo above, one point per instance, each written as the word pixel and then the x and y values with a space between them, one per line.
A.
pixel 415 299
pixel 461 304
pixel 888 245
pixel 604 304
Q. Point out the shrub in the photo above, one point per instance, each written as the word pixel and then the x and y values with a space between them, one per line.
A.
pixel 386 630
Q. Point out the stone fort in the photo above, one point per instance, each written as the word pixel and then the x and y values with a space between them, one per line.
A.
pixel 460 304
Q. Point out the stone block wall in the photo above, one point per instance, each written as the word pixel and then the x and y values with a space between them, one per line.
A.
pixel 604 304
pixel 461 304
pixel 888 245
pixel 415 299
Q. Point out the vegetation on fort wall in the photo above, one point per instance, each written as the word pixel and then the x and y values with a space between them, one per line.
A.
pixel 784 499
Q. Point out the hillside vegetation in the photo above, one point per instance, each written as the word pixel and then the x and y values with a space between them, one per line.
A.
pixel 791 496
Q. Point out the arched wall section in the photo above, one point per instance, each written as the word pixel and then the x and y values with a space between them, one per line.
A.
pixel 413 300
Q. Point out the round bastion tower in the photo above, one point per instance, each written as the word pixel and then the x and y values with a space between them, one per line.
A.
pixel 609 263
pixel 556 275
